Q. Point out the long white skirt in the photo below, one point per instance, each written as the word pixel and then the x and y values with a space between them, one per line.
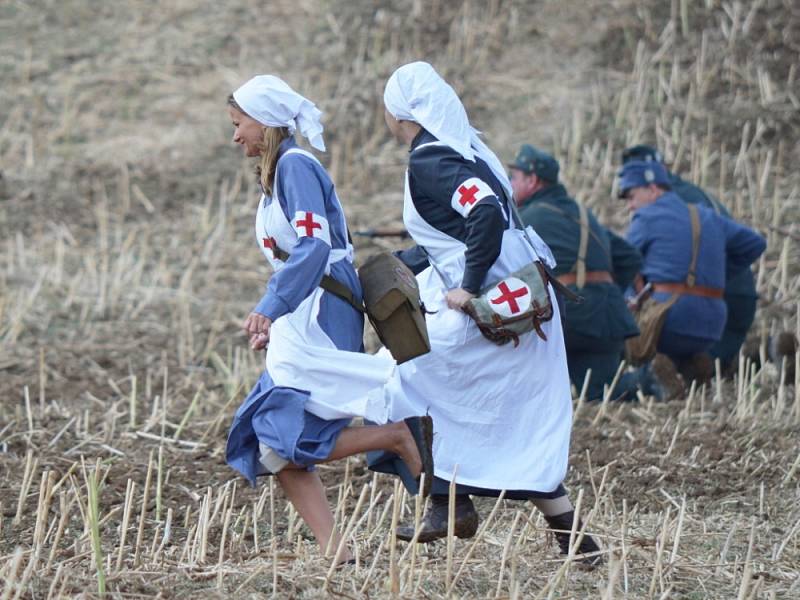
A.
pixel 502 415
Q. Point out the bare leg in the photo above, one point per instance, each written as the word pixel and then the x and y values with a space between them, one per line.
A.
pixel 305 491
pixel 394 437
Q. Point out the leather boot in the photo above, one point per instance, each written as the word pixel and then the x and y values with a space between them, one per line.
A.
pixel 562 526
pixel 433 525
pixel 669 383
pixel 699 367
pixel 783 345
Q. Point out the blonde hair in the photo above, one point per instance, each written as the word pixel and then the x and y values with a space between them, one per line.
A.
pixel 273 136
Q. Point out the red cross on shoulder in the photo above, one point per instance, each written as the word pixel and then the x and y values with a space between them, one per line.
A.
pixel 469 193
pixel 309 224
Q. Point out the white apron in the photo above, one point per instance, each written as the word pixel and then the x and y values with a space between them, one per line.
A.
pixel 502 415
pixel 300 355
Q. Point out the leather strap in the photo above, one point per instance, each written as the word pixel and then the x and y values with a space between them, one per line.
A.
pixel 589 277
pixel 690 290
pixel 595 237
pixel 694 216
pixel 328 283
pixel 580 263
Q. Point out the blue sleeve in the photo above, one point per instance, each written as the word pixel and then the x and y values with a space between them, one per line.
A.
pixel 626 260
pixel 743 246
pixel 637 234
pixel 300 189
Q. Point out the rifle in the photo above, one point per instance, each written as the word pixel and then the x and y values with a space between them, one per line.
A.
pixel 380 232
pixel 635 303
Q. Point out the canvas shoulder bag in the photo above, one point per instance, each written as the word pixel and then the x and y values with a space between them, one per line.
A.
pixel 391 302
pixel 519 303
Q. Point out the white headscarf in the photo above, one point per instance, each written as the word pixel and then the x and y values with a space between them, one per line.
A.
pixel 270 101
pixel 416 92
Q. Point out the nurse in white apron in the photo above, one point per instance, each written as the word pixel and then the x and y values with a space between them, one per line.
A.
pixel 317 377
pixel 503 414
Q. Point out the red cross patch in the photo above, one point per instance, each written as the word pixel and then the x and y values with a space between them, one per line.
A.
pixel 468 193
pixel 309 224
pixel 510 298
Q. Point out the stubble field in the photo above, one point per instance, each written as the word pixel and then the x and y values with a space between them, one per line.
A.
pixel 127 263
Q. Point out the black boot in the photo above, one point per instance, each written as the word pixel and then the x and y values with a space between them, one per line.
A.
pixel 668 383
pixel 587 550
pixel 433 525
pixel 783 345
pixel 698 367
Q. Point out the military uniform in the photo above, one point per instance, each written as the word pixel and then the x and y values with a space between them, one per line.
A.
pixel 594 330
pixel 662 231
pixel 740 289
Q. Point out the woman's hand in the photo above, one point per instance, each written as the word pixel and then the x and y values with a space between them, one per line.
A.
pixel 457 298
pixel 257 326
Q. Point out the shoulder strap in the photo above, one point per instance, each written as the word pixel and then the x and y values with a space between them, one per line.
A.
pixel 589 231
pixel 328 283
pixel 580 264
pixel 694 216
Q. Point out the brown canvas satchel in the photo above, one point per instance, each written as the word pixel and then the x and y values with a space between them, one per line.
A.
pixel 391 297
pixel 391 303
pixel 652 314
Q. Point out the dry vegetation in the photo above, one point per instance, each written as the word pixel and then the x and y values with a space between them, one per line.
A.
pixel 127 263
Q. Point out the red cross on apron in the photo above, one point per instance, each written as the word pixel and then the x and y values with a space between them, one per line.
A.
pixel 269 242
pixel 510 296
pixel 309 224
pixel 467 195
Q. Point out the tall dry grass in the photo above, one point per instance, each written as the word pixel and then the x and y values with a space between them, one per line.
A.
pixel 126 264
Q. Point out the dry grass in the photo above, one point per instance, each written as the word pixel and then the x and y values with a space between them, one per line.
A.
pixel 126 264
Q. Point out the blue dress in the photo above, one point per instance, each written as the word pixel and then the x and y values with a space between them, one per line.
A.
pixel 272 415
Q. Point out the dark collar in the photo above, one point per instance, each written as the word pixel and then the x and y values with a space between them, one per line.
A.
pixel 551 193
pixel 423 137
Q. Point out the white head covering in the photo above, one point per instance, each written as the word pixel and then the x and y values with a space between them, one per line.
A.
pixel 416 92
pixel 270 101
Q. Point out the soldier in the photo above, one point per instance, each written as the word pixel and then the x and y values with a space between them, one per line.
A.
pixel 717 248
pixel 596 263
pixel 503 413
pixel 740 290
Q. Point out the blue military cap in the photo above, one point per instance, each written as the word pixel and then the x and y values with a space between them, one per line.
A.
pixel 532 160
pixel 640 173
pixel 641 152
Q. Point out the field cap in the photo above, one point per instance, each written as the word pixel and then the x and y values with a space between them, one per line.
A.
pixel 641 152
pixel 640 173
pixel 532 160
